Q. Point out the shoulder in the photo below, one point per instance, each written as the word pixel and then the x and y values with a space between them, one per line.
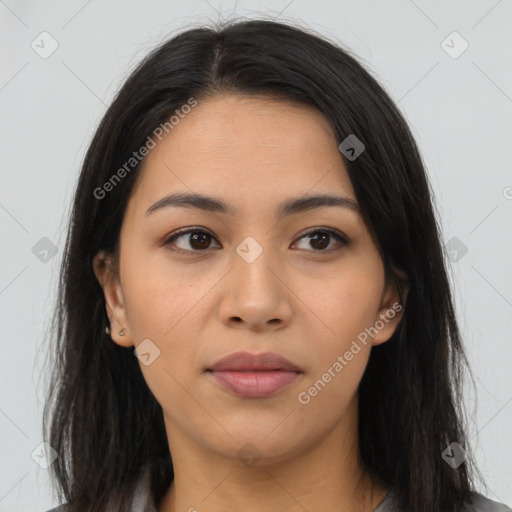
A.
pixel 482 504
pixel 479 503
pixel 141 499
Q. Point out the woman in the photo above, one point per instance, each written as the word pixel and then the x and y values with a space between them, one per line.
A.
pixel 254 223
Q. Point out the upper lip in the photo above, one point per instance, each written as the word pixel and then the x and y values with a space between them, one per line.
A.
pixel 245 361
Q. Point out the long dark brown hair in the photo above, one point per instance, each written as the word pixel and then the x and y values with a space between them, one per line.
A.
pixel 100 415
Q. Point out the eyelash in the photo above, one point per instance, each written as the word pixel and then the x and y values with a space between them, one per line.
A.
pixel 335 234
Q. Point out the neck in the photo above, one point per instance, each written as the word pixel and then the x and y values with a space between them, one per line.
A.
pixel 326 476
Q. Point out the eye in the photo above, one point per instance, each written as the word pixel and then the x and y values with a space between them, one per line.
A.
pixel 319 239
pixel 199 241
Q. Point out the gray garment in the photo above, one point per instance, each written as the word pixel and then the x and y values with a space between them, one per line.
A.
pixel 142 501
pixel 480 504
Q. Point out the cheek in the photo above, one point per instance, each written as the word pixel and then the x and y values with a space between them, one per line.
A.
pixel 345 306
pixel 160 295
pixel 163 304
pixel 341 344
pixel 345 303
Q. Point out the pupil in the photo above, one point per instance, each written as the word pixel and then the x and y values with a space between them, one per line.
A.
pixel 324 236
pixel 201 237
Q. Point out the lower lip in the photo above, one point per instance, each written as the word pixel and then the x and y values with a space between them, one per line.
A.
pixel 256 384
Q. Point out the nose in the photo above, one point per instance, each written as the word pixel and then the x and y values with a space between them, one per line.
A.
pixel 255 295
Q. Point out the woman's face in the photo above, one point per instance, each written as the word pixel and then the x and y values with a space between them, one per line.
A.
pixel 254 279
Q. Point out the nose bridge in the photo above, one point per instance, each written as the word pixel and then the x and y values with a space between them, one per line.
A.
pixel 252 266
pixel 254 293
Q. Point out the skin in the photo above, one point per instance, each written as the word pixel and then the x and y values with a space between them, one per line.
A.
pixel 305 304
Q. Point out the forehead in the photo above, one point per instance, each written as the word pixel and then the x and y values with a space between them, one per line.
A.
pixel 242 148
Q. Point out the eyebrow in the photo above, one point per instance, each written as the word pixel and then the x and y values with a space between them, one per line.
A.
pixel 289 207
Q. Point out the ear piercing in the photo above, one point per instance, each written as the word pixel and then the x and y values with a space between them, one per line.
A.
pixel 122 332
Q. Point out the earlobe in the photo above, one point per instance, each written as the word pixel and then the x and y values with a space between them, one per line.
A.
pixel 105 273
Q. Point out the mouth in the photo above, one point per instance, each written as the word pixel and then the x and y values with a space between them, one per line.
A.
pixel 254 375
pixel 255 383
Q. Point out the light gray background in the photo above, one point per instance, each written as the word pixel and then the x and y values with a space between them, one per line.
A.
pixel 460 110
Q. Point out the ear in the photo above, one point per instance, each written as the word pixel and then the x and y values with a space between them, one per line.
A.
pixel 392 308
pixel 108 277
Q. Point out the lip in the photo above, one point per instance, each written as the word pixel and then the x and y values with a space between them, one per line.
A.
pixel 254 375
pixel 245 361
